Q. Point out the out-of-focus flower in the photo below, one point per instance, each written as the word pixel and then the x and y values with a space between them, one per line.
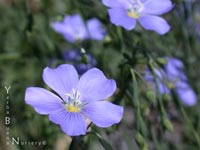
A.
pixel 186 93
pixel 173 77
pixel 75 57
pixel 73 28
pixel 125 13
pixel 161 78
pixel 96 32
pixel 78 100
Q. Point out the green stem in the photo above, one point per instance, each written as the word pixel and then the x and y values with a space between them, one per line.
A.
pixel 155 140
pixel 160 103
pixel 136 102
pixel 186 118
pixel 74 143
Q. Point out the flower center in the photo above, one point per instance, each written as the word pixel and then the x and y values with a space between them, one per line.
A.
pixel 134 9
pixel 72 108
pixel 73 104
pixel 78 35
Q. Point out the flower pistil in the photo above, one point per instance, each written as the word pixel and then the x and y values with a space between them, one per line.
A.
pixel 134 9
pixel 73 104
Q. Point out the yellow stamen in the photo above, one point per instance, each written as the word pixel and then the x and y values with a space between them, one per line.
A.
pixel 72 108
pixel 133 15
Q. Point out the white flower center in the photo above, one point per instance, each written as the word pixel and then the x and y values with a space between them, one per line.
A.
pixel 78 35
pixel 134 9
pixel 73 104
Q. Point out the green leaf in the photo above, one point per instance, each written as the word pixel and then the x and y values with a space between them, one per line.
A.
pixel 105 144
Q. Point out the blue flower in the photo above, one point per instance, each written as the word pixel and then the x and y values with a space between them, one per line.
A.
pixel 96 32
pixel 173 75
pixel 74 29
pixel 78 100
pixel 125 13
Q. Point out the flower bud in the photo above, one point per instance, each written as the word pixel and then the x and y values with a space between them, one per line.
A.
pixel 141 141
pixel 162 61
pixel 107 39
pixel 166 97
pixel 150 95
pixel 167 124
pixel 84 59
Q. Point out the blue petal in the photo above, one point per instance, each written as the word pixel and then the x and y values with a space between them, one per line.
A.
pixel 116 3
pixel 60 28
pixel 186 94
pixel 119 17
pixel 162 88
pixel 73 124
pixel 72 28
pixel 155 23
pixel 78 27
pixel 174 67
pixel 43 101
pixel 72 56
pixel 103 113
pixel 95 29
pixel 157 7
pixel 160 78
pixel 93 86
pixel 61 79
pixel 64 28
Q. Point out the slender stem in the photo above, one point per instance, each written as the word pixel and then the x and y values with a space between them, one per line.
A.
pixel 155 140
pixel 186 118
pixel 139 75
pixel 89 125
pixel 160 103
pixel 140 122
pixel 74 143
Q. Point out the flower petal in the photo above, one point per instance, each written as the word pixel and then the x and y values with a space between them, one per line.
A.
pixel 95 29
pixel 64 28
pixel 59 27
pixel 116 3
pixel 187 95
pixel 72 28
pixel 77 27
pixel 154 23
pixel 157 7
pixel 162 87
pixel 43 101
pixel 119 17
pixel 93 86
pixel 73 124
pixel 103 113
pixel 174 68
pixel 61 79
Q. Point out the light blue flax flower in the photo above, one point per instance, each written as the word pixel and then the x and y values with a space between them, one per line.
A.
pixel 173 77
pixel 125 13
pixel 74 29
pixel 76 99
pixel 95 30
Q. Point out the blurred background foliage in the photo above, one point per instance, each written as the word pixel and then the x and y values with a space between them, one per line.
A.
pixel 28 44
